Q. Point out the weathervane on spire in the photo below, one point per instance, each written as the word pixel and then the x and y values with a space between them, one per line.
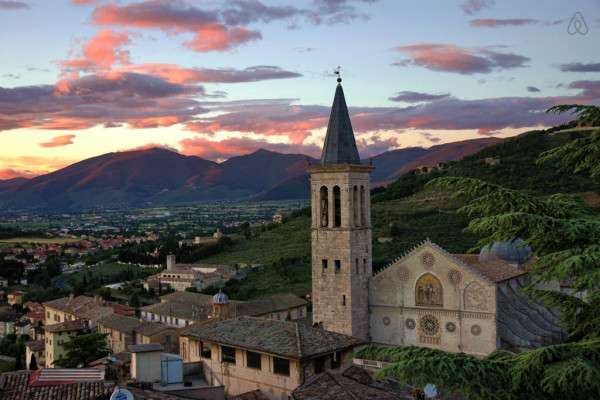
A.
pixel 337 72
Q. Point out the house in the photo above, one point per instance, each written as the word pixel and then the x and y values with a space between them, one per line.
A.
pixel 89 309
pixel 181 309
pixel 8 317
pixel 56 335
pixel 22 327
pixel 150 332
pixel 37 350
pixel 276 357
pixel 120 331
pixel 15 297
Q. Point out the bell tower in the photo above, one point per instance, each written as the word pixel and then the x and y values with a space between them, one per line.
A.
pixel 341 229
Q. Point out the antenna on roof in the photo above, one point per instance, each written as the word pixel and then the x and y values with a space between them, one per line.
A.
pixel 337 72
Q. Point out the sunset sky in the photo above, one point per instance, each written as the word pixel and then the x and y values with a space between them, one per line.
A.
pixel 217 79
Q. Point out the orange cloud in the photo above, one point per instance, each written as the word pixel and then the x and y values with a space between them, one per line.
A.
pixel 57 141
pixel 9 173
pixel 102 51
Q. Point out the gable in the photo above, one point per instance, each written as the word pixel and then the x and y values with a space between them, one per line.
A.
pixel 429 276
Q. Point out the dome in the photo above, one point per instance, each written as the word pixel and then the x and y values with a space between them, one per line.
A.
pixel 220 298
pixel 508 251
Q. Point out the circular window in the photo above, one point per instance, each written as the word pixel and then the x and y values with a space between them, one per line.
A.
pixel 429 325
pixel 451 327
pixel 386 321
pixel 410 324
pixel 427 260
pixel 476 330
pixel 455 277
pixel 403 274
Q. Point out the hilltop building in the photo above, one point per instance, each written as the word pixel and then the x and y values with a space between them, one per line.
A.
pixel 182 276
pixel 428 297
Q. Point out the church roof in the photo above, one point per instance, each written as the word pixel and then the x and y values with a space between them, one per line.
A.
pixel 340 145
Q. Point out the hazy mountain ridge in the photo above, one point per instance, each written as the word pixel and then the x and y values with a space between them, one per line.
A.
pixel 161 177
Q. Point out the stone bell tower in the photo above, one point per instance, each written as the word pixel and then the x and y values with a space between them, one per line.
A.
pixel 341 229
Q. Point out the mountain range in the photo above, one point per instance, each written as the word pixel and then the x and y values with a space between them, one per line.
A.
pixel 156 176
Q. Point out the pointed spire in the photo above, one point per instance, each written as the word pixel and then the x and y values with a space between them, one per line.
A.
pixel 340 145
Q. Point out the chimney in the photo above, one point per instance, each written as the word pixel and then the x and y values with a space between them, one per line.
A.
pixel 71 296
pixel 170 262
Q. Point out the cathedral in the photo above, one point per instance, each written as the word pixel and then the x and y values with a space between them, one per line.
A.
pixel 427 297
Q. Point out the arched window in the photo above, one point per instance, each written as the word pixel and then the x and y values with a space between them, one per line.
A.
pixel 356 198
pixel 324 205
pixel 363 206
pixel 337 206
pixel 429 291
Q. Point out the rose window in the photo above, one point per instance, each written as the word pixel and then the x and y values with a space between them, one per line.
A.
pixel 410 324
pixel 429 325
pixel 427 260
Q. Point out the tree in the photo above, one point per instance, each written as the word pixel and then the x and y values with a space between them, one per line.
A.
pixel 82 350
pixel 33 363
pixel 134 301
pixel 19 361
pixel 246 230
pixel 565 234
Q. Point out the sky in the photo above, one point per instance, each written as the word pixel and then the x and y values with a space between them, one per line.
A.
pixel 217 79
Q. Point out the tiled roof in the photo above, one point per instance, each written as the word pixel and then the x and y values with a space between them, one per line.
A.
pixel 143 348
pixel 179 310
pixel 75 325
pixel 281 338
pixel 267 305
pixel 149 328
pixel 496 270
pixel 120 323
pixel 330 386
pixel 359 374
pixel 15 386
pixel 187 297
pixel 95 311
pixel 147 394
pixel 38 345
pixel 253 395
pixel 77 306
pixel 35 315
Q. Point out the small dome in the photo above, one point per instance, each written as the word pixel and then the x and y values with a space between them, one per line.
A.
pixel 220 298
pixel 508 251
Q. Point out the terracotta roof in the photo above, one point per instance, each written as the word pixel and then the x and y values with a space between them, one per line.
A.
pixel 278 302
pixel 359 374
pixel 95 311
pixel 179 310
pixel 75 325
pixel 148 394
pixel 253 395
pixel 282 338
pixel 15 386
pixel 187 297
pixel 496 270
pixel 150 328
pixel 35 315
pixel 77 306
pixel 17 293
pixel 120 323
pixel 330 386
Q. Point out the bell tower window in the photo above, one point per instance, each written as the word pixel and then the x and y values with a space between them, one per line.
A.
pixel 337 206
pixel 324 204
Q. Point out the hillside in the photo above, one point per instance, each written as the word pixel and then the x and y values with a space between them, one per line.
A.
pixel 409 218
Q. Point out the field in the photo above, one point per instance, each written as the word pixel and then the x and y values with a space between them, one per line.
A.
pixel 26 241
pixel 111 273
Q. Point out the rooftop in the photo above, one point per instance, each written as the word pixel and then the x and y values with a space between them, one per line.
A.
pixel 495 270
pixel 120 322
pixel 281 338
pixel 150 328
pixel 38 345
pixel 75 306
pixel 66 326
pixel 331 386
pixel 143 348
pixel 253 395
pixel 21 385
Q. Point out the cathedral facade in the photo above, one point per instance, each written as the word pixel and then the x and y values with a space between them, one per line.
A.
pixel 428 297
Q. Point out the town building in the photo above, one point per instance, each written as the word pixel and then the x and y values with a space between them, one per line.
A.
pixel 8 317
pixel 15 297
pixel 37 350
pixel 56 335
pixel 181 309
pixel 88 309
pixel 182 276
pixel 276 357
pixel 427 297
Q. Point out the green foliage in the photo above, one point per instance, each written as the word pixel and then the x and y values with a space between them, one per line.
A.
pixel 82 350
pixel 566 371
pixel 587 115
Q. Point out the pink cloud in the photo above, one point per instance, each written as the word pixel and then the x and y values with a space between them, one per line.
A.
pixel 102 51
pixel 176 17
pixel 225 149
pixel 451 58
pixel 474 6
pixel 57 141
pixel 9 173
